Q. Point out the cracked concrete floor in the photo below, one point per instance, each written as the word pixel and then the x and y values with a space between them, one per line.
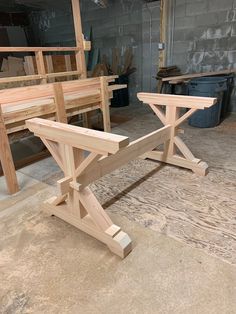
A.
pixel 184 238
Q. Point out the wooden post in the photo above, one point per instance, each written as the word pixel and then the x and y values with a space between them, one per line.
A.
pixel 172 115
pixel 68 66
pixel 60 103
pixel 163 35
pixel 79 54
pixel 79 39
pixel 105 104
pixel 76 204
pixel 50 67
pixel 6 158
pixel 40 65
pixel 29 65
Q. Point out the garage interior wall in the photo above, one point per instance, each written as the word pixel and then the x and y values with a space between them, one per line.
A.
pixel 201 34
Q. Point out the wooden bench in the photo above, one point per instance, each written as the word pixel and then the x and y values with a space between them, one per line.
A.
pixel 56 101
pixel 75 202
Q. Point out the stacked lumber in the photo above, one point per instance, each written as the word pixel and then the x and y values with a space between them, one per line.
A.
pixel 12 66
pixel 53 64
pixel 119 65
pixel 168 71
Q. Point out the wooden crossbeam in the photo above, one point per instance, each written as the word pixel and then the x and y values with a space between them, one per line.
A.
pixel 133 150
pixel 90 140
pixel 192 102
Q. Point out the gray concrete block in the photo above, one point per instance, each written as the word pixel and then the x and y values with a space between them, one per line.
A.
pixel 180 10
pixel 232 56
pixel 179 2
pixel 195 8
pixel 179 35
pixel 223 16
pixel 231 43
pixel 206 19
pixel 217 5
pixel 180 58
pixel 183 22
pixel 122 19
pixel 233 32
pixel 220 31
pixel 193 34
pixel 181 46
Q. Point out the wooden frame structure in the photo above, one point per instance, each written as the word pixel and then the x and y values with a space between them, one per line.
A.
pixel 175 150
pixel 76 203
pixel 43 77
pixel 56 101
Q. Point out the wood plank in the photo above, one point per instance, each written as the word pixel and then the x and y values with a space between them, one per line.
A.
pixel 199 167
pixel 40 65
pixel 37 49
pixel 94 209
pixel 195 75
pixel 21 78
pixel 61 74
pixel 80 56
pixel 50 68
pixel 177 101
pixel 60 103
pixel 6 159
pixel 105 105
pixel 114 87
pixel 90 140
pixel 135 149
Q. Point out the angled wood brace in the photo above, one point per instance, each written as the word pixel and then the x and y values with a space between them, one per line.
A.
pixel 175 150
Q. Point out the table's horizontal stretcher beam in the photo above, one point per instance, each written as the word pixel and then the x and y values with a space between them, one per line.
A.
pixel 90 140
pixel 135 149
pixel 177 101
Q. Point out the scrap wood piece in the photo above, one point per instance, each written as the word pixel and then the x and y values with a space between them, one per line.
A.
pixel 128 59
pixel 115 60
pixel 195 75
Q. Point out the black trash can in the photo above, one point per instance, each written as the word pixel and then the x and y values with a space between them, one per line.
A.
pixel 227 95
pixel 121 96
pixel 207 87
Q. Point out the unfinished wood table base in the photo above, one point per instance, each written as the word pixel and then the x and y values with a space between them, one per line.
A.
pixel 86 155
pixel 175 150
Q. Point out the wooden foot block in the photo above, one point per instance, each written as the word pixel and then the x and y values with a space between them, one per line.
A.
pixel 197 166
pixel 118 242
pixel 201 169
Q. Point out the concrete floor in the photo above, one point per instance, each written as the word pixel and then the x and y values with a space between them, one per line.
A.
pixel 183 228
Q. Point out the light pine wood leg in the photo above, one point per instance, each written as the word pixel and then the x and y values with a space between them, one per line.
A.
pixel 175 150
pixel 6 159
pixel 77 205
pixel 105 105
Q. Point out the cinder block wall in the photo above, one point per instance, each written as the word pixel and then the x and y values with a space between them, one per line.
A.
pixel 119 25
pixel 150 40
pixel 204 37
pixel 123 24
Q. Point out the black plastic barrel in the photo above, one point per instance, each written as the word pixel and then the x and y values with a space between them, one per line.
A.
pixel 121 96
pixel 227 95
pixel 207 87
